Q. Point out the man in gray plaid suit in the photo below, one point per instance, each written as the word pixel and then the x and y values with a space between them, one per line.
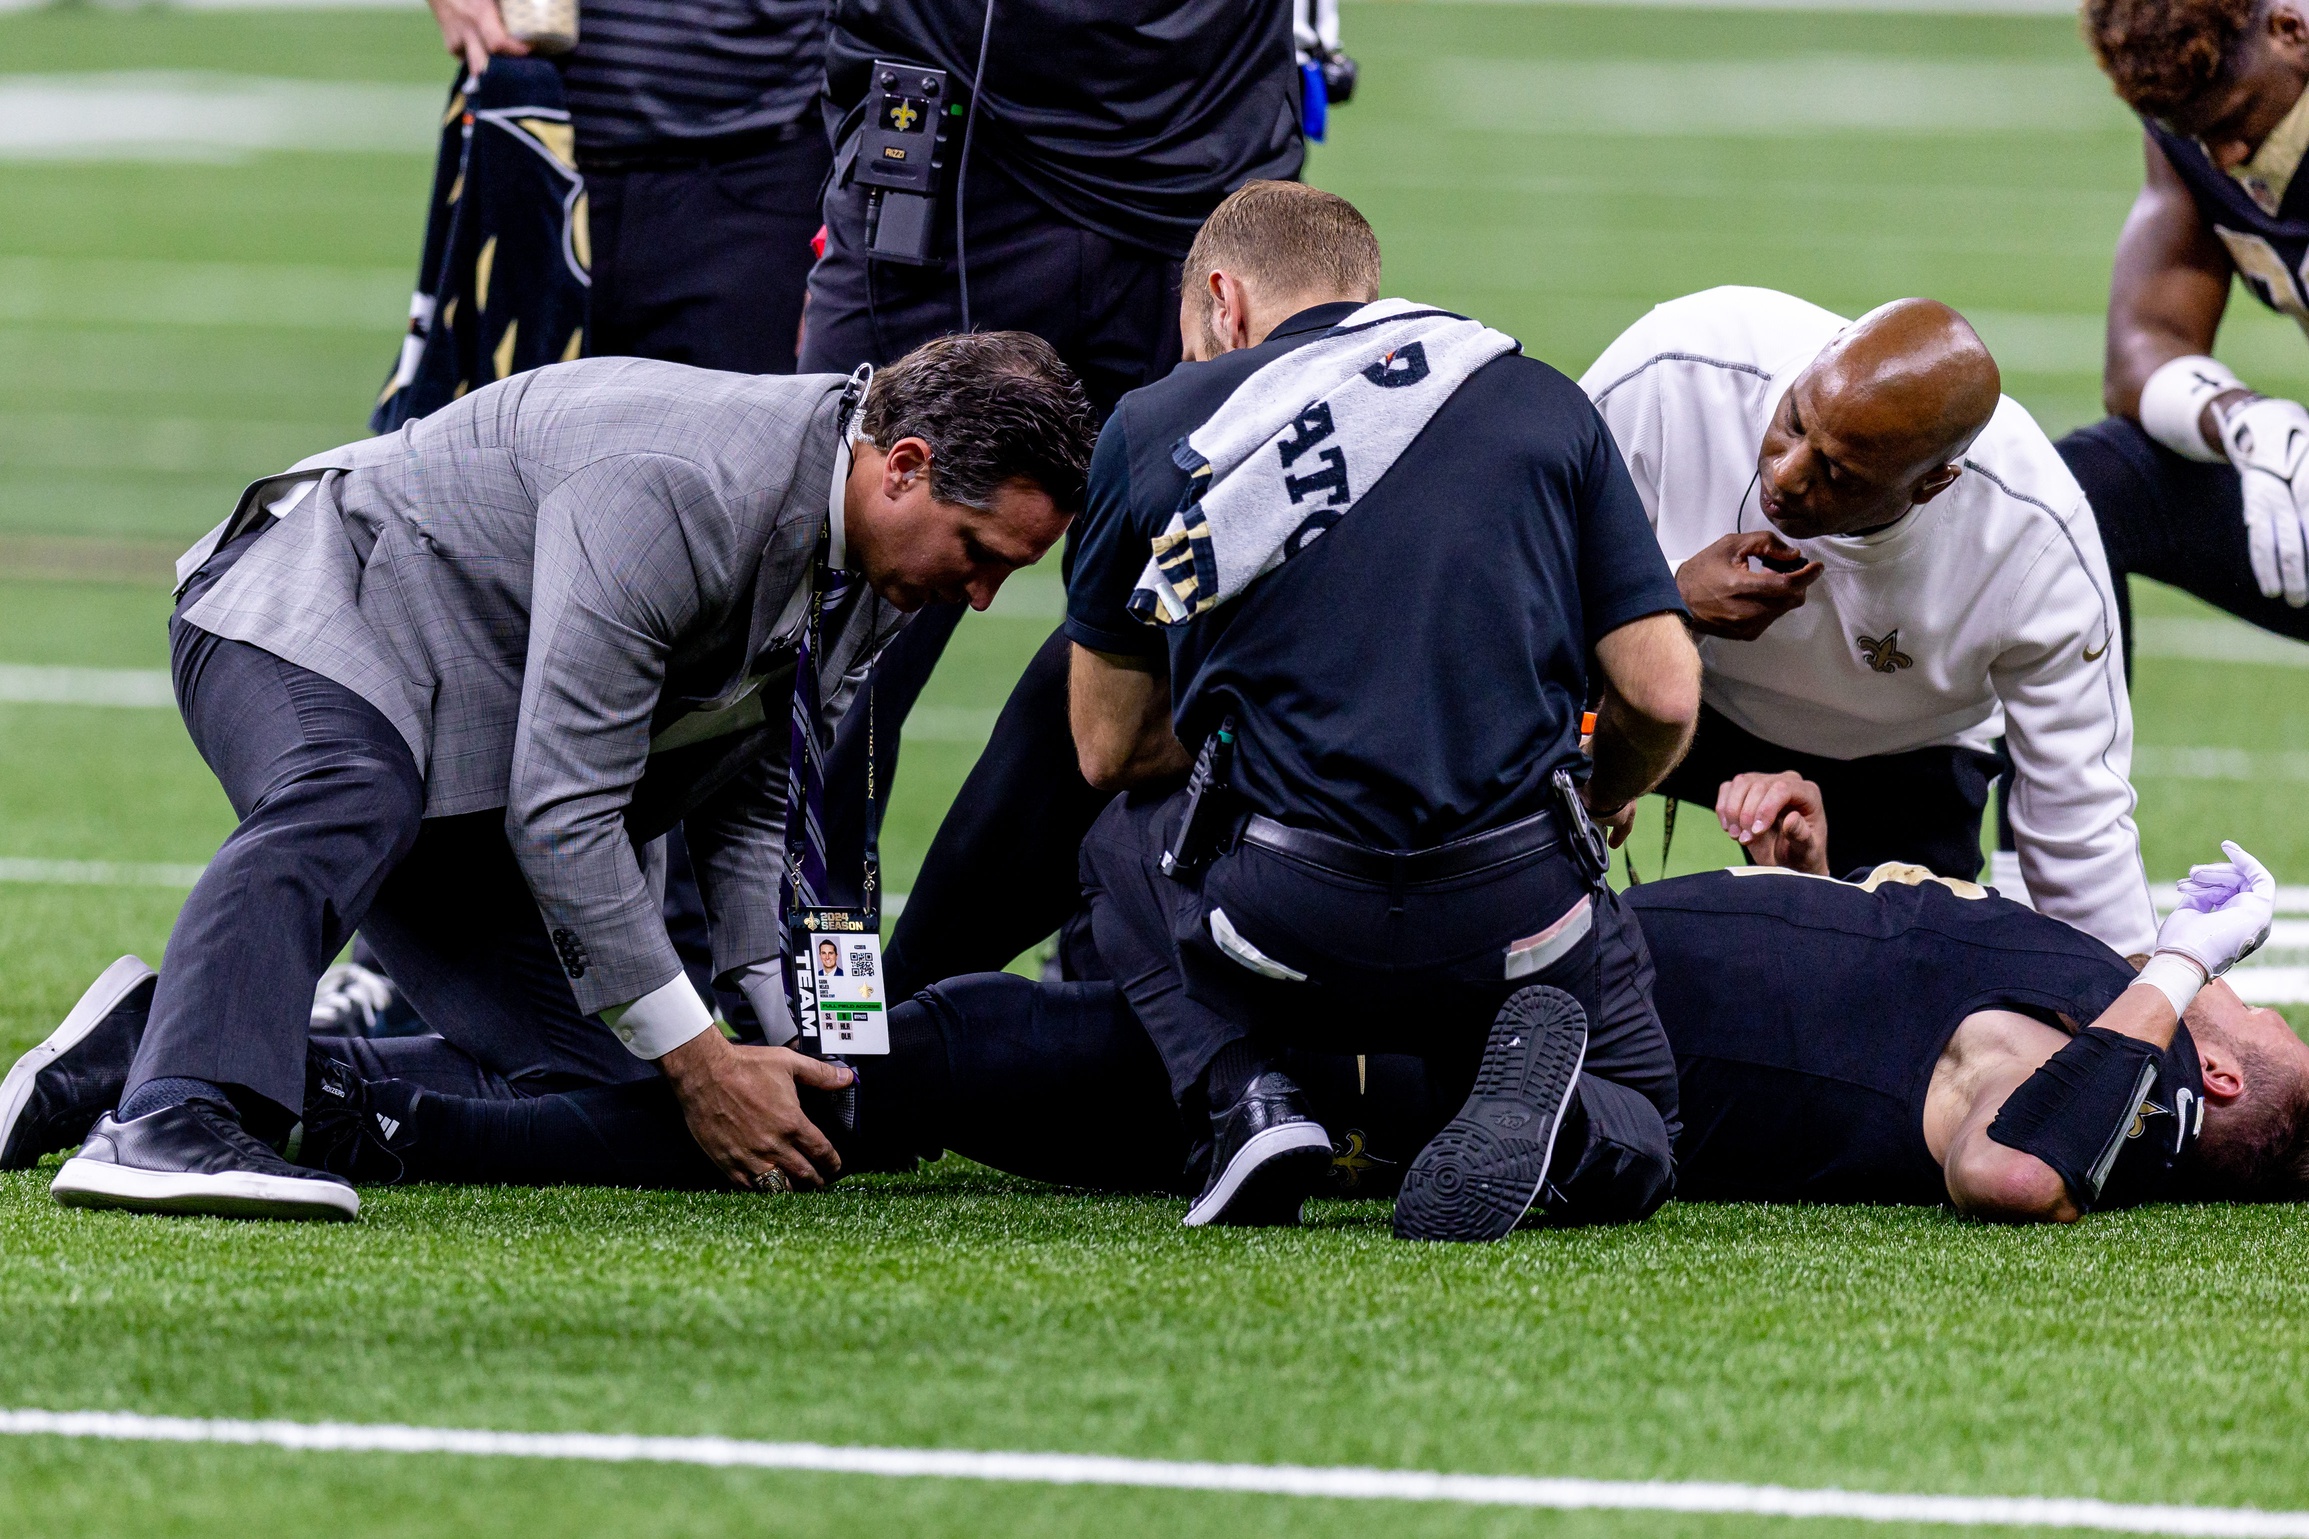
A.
pixel 455 679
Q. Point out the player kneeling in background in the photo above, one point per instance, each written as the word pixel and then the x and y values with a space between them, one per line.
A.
pixel 2195 479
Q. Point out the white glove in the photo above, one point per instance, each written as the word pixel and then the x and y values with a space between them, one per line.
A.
pixel 2224 914
pixel 2268 440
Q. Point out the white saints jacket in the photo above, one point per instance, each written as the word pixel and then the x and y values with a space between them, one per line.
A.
pixel 1986 611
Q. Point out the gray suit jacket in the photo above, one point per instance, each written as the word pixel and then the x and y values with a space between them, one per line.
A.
pixel 577 595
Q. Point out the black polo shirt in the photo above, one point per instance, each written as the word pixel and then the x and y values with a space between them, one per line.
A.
pixel 1132 118
pixel 1417 674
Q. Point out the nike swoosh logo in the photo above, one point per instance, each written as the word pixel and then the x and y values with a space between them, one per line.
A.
pixel 2093 657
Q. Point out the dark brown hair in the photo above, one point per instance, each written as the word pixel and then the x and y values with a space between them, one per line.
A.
pixel 2162 55
pixel 994 407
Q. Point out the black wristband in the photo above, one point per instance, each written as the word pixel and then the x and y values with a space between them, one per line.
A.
pixel 2074 1111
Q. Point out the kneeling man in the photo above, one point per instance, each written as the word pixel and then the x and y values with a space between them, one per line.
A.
pixel 455 680
pixel 1890 568
pixel 1355 574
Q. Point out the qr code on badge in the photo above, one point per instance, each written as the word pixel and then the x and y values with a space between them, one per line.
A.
pixel 862 962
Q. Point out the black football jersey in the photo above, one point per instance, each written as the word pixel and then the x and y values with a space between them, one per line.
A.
pixel 2270 250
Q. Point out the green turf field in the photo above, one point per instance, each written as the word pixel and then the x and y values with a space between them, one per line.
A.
pixel 170 328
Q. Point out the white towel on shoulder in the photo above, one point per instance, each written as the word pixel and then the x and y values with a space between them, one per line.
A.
pixel 1298 444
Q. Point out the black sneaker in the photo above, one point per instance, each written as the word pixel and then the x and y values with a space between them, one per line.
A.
pixel 1478 1177
pixel 56 1092
pixel 196 1158
pixel 1267 1157
pixel 347 1130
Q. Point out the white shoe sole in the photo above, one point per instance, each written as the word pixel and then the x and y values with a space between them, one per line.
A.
pixel 112 986
pixel 87 1183
pixel 1250 1160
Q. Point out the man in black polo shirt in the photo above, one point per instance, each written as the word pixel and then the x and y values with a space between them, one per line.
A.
pixel 703 163
pixel 1387 850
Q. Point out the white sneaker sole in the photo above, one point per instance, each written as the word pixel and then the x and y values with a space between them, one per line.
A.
pixel 112 986
pixel 1253 1157
pixel 87 1183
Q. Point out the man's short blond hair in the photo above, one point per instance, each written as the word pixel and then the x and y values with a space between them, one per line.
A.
pixel 1286 238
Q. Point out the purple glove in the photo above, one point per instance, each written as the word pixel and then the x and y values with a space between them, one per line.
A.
pixel 2224 915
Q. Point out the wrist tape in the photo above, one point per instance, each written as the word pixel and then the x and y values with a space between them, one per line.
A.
pixel 2073 1113
pixel 2176 977
pixel 2173 401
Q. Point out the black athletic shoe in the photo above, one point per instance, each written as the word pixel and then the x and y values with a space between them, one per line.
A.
pixel 1481 1174
pixel 1268 1156
pixel 56 1092
pixel 346 1130
pixel 196 1158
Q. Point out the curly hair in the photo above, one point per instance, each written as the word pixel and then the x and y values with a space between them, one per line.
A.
pixel 2162 55
pixel 995 407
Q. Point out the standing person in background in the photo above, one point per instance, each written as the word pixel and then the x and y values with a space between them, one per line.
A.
pixel 1101 140
pixel 703 164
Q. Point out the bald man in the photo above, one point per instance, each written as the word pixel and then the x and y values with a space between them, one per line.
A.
pixel 1890 568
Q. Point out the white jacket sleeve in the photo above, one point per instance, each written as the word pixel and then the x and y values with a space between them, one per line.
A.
pixel 2069 726
pixel 1627 397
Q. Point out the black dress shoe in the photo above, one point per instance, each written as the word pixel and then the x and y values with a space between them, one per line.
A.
pixel 196 1158
pixel 1478 1177
pixel 1267 1157
pixel 56 1092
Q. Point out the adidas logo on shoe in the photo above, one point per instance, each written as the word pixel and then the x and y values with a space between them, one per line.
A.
pixel 387 1125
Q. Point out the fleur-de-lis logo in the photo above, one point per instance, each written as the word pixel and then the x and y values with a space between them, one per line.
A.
pixel 1883 652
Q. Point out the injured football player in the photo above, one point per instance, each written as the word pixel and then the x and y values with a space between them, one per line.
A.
pixel 1899 1038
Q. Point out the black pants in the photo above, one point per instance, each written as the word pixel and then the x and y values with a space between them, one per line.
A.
pixel 1056 1082
pixel 1111 311
pixel 1003 871
pixel 2173 519
pixel 705 261
pixel 332 838
pixel 1418 969
pixel 1923 807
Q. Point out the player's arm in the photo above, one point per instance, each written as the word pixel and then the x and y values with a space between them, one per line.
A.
pixel 2168 291
pixel 2036 1147
pixel 1119 706
pixel 2170 286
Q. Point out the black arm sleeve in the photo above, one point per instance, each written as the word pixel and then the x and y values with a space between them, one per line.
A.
pixel 2074 1112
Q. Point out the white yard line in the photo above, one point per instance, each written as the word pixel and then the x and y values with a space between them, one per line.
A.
pixel 192 115
pixel 25 684
pixel 97 873
pixel 2216 641
pixel 1058 1469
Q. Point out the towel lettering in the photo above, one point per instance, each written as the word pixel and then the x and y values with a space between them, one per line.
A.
pixel 1407 365
pixel 1333 480
pixel 1312 426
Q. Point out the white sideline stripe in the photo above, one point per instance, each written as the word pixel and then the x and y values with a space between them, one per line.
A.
pixel 2290 899
pixel 97 873
pixel 24 684
pixel 1056 1469
pixel 2216 641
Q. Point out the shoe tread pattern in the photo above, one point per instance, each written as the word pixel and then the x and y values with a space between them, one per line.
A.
pixel 1477 1178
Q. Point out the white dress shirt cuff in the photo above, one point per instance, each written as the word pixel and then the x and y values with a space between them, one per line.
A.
pixel 661 1020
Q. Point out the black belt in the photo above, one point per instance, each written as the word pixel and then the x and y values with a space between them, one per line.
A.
pixel 1461 857
pixel 675 154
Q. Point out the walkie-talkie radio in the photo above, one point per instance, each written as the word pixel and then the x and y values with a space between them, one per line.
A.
pixel 902 157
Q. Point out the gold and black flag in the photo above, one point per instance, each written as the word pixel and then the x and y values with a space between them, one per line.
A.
pixel 504 281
